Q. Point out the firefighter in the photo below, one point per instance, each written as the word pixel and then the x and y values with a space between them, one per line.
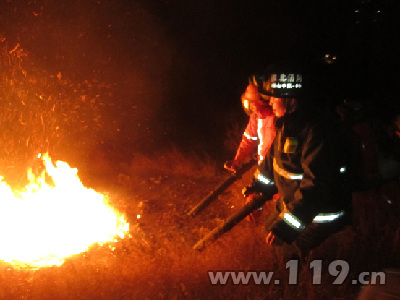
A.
pixel 306 164
pixel 260 130
pixel 260 133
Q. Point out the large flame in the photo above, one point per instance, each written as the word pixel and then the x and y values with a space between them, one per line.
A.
pixel 45 223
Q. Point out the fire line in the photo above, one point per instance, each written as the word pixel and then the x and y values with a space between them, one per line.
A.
pixel 44 223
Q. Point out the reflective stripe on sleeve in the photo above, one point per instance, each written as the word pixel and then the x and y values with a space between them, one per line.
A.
pixel 292 221
pixel 263 179
pixel 325 218
pixel 286 174
pixel 254 138
pixel 261 142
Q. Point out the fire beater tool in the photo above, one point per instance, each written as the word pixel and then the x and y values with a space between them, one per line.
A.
pixel 234 219
pixel 221 187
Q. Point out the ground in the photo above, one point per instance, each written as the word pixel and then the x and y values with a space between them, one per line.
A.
pixel 158 261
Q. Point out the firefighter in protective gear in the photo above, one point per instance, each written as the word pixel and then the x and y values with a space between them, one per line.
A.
pixel 260 133
pixel 260 130
pixel 306 164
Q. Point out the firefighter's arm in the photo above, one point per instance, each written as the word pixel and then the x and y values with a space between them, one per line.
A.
pixel 263 182
pixel 319 163
pixel 269 132
pixel 314 189
pixel 286 228
pixel 249 141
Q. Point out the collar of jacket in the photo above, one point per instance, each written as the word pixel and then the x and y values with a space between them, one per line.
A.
pixel 264 112
pixel 306 111
pixel 287 117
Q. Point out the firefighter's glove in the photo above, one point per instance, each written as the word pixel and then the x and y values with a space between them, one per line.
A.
pixel 231 165
pixel 250 190
pixel 284 232
pixel 259 188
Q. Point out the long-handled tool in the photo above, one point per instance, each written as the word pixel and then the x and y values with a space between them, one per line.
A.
pixel 221 187
pixel 234 219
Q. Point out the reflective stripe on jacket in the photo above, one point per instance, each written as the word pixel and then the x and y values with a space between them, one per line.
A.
pixel 307 164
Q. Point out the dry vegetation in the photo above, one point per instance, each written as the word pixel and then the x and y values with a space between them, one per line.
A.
pixel 159 263
pixel 41 113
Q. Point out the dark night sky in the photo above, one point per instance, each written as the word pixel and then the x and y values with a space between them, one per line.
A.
pixel 181 66
pixel 219 45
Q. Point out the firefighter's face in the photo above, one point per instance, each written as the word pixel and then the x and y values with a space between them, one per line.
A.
pixel 253 106
pixel 278 106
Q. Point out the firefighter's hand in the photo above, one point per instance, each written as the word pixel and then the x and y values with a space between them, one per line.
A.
pixel 247 191
pixel 256 216
pixel 273 240
pixel 254 188
pixel 231 165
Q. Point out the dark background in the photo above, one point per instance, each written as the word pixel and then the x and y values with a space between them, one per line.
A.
pixel 178 68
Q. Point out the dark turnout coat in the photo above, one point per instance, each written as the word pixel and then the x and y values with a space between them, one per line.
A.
pixel 307 165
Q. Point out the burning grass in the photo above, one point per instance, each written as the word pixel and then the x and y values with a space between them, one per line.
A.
pixel 41 222
pixel 45 223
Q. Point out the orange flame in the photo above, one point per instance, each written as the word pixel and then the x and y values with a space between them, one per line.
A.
pixel 44 224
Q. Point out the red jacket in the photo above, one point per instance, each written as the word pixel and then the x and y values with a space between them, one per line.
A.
pixel 260 130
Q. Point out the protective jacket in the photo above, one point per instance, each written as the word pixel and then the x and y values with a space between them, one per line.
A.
pixel 307 165
pixel 260 130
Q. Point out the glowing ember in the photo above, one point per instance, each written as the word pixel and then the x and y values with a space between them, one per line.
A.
pixel 46 223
